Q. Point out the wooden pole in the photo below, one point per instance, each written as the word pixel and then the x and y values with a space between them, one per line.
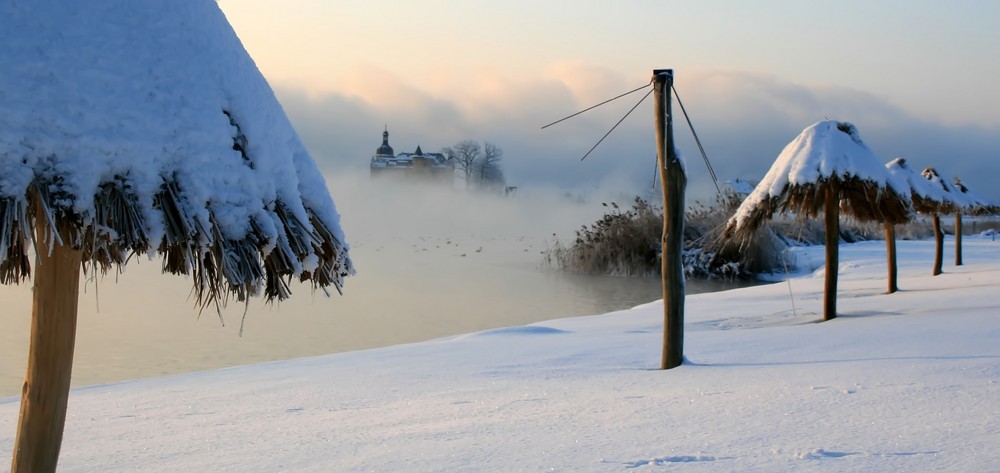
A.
pixel 938 245
pixel 674 181
pixel 890 249
pixel 958 239
pixel 45 392
pixel 831 213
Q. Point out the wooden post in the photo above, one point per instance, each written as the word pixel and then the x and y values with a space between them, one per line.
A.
pixel 890 249
pixel 938 245
pixel 958 239
pixel 831 213
pixel 45 392
pixel 674 181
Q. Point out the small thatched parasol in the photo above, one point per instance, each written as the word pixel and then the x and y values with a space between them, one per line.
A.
pixel 926 197
pixel 956 203
pixel 975 205
pixel 827 169
pixel 132 127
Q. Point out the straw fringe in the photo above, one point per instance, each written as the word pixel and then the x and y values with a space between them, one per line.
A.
pixel 15 235
pixel 980 207
pixel 928 206
pixel 220 267
pixel 861 199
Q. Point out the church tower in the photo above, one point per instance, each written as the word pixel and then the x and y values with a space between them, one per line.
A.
pixel 385 151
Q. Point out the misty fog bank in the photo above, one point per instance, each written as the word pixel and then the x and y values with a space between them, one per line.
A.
pixel 383 210
pixel 744 119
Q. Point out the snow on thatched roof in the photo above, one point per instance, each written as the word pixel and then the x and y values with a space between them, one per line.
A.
pixel 979 204
pixel 142 126
pixel 956 201
pixel 828 153
pixel 927 197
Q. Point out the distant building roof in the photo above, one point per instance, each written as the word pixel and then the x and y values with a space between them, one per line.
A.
pixel 384 157
pixel 385 149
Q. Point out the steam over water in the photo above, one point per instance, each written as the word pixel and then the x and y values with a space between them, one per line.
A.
pixel 430 262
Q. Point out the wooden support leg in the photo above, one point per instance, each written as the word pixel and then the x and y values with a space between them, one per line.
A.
pixel 958 239
pixel 832 217
pixel 938 245
pixel 890 248
pixel 50 358
pixel 672 241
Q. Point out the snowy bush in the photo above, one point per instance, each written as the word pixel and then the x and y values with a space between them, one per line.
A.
pixel 626 242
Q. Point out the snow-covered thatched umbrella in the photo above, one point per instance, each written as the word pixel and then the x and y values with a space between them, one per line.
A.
pixel 828 169
pixel 975 205
pixel 135 127
pixel 956 202
pixel 926 198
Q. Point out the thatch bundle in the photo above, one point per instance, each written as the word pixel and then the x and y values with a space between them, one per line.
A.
pixel 978 205
pixel 927 196
pixel 826 156
pixel 156 139
pixel 278 245
pixel 861 199
pixel 952 200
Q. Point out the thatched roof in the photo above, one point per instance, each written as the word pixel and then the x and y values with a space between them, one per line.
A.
pixel 956 202
pixel 144 127
pixel 978 205
pixel 828 154
pixel 927 197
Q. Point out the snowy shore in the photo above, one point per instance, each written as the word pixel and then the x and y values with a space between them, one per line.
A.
pixel 901 382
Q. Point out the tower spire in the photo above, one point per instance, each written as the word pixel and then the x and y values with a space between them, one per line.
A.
pixel 385 150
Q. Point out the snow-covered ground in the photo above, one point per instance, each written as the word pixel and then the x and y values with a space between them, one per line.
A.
pixel 901 382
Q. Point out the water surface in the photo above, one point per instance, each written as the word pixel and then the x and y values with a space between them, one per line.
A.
pixel 425 270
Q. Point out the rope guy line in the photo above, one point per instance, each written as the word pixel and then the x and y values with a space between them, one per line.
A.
pixel 704 156
pixel 595 106
pixel 697 140
pixel 619 123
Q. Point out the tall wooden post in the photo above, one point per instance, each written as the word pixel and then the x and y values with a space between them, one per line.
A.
pixel 938 245
pixel 890 249
pixel 831 213
pixel 958 239
pixel 672 242
pixel 45 393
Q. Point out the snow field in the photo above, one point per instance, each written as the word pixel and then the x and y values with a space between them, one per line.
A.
pixel 902 382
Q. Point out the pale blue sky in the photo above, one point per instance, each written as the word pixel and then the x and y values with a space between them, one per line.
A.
pixel 442 70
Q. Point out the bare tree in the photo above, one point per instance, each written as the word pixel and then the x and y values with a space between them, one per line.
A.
pixel 480 164
pixel 489 170
pixel 465 155
pixel 492 154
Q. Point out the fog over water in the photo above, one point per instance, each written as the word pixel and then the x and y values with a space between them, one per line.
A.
pixel 431 262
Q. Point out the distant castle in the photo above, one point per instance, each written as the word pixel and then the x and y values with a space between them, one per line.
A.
pixel 415 167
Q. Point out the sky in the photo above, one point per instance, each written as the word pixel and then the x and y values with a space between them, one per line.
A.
pixel 917 78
